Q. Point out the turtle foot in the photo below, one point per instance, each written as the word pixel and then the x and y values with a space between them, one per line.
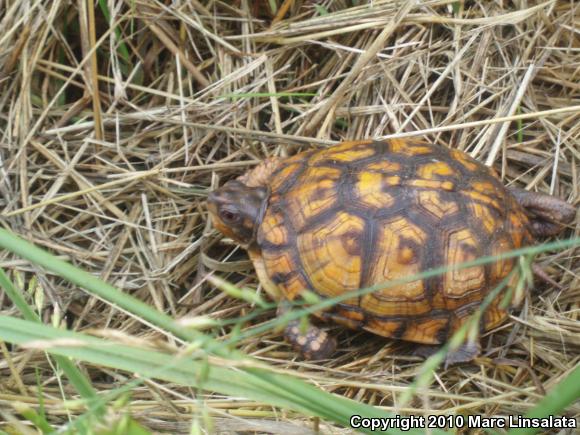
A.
pixel 464 353
pixel 313 343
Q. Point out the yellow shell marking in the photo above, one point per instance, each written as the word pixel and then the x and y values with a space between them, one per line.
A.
pixel 462 247
pixel 284 173
pixel 315 196
pixel 331 255
pixel 484 216
pixel 403 241
pixel 464 160
pixel 424 331
pixel 429 171
pixel 369 191
pixel 384 166
pixel 409 148
pixel 431 184
pixel 273 229
pixel 431 201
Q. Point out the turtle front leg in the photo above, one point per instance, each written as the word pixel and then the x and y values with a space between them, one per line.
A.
pixel 547 214
pixel 313 343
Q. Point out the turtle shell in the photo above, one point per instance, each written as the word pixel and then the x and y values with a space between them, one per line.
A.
pixel 363 213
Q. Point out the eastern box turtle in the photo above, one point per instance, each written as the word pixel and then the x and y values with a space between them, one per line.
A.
pixel 363 213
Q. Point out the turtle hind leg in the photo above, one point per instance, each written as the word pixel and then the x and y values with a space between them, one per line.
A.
pixel 547 214
pixel 464 353
pixel 313 343
pixel 467 352
pixel 425 350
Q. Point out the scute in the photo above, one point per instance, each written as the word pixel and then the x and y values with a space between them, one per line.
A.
pixel 370 190
pixel 363 213
pixel 317 194
pixel 331 255
pixel 286 177
pixel 409 148
pixel 284 272
pixel 273 229
pixel 433 203
pixel 426 330
pixel 398 256
pixel 485 216
pixel 344 153
pixel 435 170
pixel 462 246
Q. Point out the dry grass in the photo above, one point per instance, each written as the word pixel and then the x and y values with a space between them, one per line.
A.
pixel 108 153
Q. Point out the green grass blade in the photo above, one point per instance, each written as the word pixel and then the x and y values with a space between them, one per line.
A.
pixel 260 384
pixel 122 46
pixel 34 417
pixel 74 375
pixel 16 297
pixel 226 378
pixel 95 286
pixel 283 390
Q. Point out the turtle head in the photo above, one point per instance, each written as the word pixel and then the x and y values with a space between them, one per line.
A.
pixel 237 210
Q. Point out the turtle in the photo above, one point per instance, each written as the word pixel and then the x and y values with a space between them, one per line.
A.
pixel 364 213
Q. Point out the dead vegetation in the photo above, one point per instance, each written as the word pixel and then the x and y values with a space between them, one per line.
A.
pixel 111 136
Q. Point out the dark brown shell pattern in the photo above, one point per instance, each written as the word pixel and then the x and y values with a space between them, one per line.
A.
pixel 363 213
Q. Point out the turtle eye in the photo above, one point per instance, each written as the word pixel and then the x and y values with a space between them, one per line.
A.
pixel 229 216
